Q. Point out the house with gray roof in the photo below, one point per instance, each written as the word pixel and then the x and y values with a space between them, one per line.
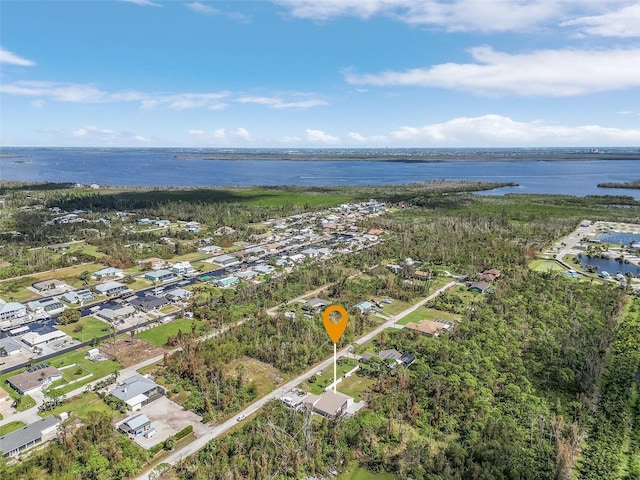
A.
pixel 13 314
pixel 46 307
pixel 137 391
pixel 136 425
pixel 107 273
pixel 116 312
pixel 160 276
pixel 8 347
pixel 52 284
pixel 178 294
pixel 111 288
pixel 17 441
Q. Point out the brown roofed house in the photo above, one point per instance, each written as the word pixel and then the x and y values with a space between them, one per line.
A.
pixel 427 327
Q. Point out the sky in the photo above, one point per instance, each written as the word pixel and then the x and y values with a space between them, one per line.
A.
pixel 320 73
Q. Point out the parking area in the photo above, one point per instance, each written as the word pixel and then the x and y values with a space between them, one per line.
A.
pixel 168 418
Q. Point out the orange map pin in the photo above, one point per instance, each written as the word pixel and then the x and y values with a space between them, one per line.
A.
pixel 335 329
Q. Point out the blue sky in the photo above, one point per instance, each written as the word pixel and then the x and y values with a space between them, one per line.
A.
pixel 320 73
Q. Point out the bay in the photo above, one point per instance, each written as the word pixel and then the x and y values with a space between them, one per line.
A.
pixel 536 172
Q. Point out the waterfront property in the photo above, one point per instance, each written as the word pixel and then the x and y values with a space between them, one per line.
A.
pixel 114 312
pixel 225 260
pixel 46 307
pixel 8 347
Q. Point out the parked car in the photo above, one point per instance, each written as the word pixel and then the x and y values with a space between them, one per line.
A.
pixel 239 418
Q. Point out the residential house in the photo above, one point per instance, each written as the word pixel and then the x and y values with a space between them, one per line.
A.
pixel 364 307
pixel 8 347
pixel 35 433
pixel 137 391
pixel 224 231
pixel 78 296
pixel 34 379
pixel 43 336
pixel 479 287
pixel 428 328
pixel 149 302
pixel 162 223
pixel 144 221
pixel 160 276
pixel 112 289
pixel 183 268
pixel 47 285
pixel 246 274
pixel 330 404
pixel 315 304
pixel 225 282
pixel 178 294
pixel 13 314
pixel 46 307
pixel 136 425
pixel 390 354
pixel 108 272
pixel 225 260
pixel 116 312
pixel 210 249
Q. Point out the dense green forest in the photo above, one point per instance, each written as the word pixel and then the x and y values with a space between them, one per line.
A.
pixel 509 394
pixel 537 381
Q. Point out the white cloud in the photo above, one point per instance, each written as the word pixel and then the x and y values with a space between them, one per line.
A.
pixel 12 59
pixel 80 93
pixel 546 72
pixel 144 3
pixel 497 130
pixel 93 135
pixel 279 103
pixel 200 7
pixel 222 136
pixel 318 136
pixel 624 22
pixel 357 137
pixel 452 15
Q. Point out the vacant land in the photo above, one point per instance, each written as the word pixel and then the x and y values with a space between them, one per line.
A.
pixel 355 386
pixel 159 335
pixel 546 265
pixel 85 329
pixel 130 351
pixel 429 314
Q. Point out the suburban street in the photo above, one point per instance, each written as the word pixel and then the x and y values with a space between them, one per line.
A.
pixel 222 428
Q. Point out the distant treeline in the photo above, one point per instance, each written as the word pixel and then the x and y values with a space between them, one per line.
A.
pixel 631 184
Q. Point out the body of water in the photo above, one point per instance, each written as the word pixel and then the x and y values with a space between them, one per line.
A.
pixel 180 168
pixel 621 238
pixel 610 265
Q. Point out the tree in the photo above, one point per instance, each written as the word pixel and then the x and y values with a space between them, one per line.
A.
pixel 85 276
pixel 70 315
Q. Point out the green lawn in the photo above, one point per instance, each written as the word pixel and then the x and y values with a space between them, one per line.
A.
pixel 356 472
pixel 428 314
pixel 98 369
pixel 92 328
pixel 11 427
pixel 322 381
pixel 159 335
pixel 546 265
pixel 355 386
pixel 394 308
pixel 81 406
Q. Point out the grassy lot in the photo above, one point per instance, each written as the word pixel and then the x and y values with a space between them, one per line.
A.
pixel 258 372
pixel 98 369
pixel 355 386
pixel 394 308
pixel 356 472
pixel 326 378
pixel 546 265
pixel 159 335
pixel 428 314
pixel 87 249
pixel 190 257
pixel 11 427
pixel 91 328
pixel 81 405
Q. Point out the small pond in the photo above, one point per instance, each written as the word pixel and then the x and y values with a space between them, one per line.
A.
pixel 610 265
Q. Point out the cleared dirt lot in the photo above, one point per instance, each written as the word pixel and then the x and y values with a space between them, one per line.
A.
pixel 129 352
pixel 167 418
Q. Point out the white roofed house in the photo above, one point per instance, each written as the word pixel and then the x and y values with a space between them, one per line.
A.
pixel 108 272
pixel 183 268
pixel 111 288
pixel 137 391
pixel 13 314
pixel 46 307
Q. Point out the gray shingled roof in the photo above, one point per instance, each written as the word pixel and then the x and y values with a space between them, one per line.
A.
pixel 26 435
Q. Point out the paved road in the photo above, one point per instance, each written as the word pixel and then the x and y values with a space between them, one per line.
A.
pixel 222 428
pixel 569 242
